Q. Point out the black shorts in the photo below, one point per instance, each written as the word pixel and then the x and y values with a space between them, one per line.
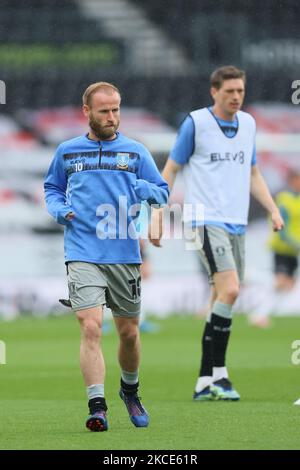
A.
pixel 284 264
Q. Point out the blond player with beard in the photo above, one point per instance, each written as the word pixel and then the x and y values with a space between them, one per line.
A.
pixel 94 187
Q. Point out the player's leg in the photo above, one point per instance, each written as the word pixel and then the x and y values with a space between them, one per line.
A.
pixel 216 253
pixel 284 282
pixel 227 288
pixel 227 283
pixel 87 296
pixel 91 357
pixel 129 360
pixel 216 337
pixel 92 366
pixel 202 389
pixel 129 347
pixel 285 269
pixel 285 272
pixel 124 298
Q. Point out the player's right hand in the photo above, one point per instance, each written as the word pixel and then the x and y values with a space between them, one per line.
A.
pixel 277 221
pixel 155 230
pixel 154 241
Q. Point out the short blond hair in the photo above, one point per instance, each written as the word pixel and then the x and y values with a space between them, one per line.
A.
pixel 94 87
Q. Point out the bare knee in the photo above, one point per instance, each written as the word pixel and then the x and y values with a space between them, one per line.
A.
pixel 129 334
pixel 227 286
pixel 90 329
pixel 229 294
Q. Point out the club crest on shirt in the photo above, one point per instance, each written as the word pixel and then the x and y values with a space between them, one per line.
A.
pixel 122 160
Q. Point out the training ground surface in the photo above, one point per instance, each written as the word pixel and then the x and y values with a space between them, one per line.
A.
pixel 43 401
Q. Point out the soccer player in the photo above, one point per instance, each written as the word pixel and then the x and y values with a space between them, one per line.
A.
pixel 216 149
pixel 94 187
pixel 285 244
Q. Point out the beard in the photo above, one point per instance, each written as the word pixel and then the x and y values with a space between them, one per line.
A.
pixel 102 132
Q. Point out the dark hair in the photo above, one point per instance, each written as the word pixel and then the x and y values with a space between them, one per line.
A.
pixel 227 72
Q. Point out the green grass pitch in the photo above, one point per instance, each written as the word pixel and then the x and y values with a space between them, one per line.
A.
pixel 43 401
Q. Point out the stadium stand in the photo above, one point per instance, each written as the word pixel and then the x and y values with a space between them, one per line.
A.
pixel 47 47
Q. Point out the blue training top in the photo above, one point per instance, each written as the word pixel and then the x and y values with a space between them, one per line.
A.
pixel 103 183
pixel 184 149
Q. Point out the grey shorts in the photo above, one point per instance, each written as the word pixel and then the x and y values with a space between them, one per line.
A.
pixel 221 251
pixel 116 285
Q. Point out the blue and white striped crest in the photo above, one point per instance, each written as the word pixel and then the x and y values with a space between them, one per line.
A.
pixel 122 160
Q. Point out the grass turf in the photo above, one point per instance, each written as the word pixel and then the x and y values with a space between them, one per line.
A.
pixel 43 401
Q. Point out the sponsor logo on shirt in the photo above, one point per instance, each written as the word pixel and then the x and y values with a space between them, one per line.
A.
pixel 238 157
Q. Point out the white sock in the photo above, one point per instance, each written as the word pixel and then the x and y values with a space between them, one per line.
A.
pixel 95 391
pixel 130 378
pixel 203 382
pixel 219 373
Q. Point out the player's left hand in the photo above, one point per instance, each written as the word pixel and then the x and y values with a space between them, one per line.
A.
pixel 277 221
pixel 70 215
pixel 142 189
